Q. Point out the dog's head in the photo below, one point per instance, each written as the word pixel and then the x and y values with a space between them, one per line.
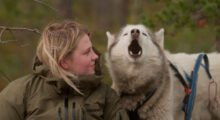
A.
pixel 135 58
pixel 135 43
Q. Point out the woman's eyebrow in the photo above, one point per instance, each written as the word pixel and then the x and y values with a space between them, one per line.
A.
pixel 88 48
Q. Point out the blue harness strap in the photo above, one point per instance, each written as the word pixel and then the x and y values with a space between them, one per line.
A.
pixel 190 98
pixel 191 82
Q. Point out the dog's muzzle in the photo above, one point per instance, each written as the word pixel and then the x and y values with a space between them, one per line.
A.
pixel 134 49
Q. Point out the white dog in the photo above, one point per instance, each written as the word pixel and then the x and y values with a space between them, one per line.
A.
pixel 140 73
pixel 185 63
pixel 142 76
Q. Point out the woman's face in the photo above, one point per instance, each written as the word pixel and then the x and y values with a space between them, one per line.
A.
pixel 82 59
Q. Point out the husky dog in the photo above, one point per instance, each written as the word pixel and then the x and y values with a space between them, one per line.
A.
pixel 140 73
pixel 139 67
pixel 205 107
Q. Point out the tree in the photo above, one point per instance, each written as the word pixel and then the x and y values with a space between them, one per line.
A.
pixel 194 14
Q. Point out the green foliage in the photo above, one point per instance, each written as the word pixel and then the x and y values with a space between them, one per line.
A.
pixel 25 12
pixel 180 16
pixel 16 56
pixel 190 13
pixel 146 21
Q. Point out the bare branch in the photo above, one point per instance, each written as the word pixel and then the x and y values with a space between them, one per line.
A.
pixel 47 5
pixel 1 33
pixel 3 29
pixel 24 45
pixel 5 76
pixel 12 35
pixel 21 28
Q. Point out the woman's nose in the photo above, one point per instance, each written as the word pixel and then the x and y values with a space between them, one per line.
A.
pixel 94 56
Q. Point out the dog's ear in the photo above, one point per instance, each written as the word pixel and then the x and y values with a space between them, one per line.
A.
pixel 111 38
pixel 160 37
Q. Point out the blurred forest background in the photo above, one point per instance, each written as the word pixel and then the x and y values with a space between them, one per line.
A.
pixel 190 26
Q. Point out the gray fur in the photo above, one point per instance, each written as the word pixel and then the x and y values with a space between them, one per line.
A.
pixel 136 77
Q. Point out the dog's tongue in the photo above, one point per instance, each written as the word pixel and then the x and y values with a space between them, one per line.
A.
pixel 134 49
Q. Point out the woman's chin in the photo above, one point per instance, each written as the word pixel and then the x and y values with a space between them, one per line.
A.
pixel 90 73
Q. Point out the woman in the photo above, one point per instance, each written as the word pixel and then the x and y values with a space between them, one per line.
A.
pixel 65 84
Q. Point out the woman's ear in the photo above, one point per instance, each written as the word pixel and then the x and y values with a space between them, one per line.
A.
pixel 64 63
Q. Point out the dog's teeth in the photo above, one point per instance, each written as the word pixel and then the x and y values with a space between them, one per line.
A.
pixel 131 53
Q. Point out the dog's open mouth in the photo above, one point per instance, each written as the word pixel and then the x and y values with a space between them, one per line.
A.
pixel 134 49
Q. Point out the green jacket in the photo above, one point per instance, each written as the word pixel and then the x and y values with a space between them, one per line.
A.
pixel 39 97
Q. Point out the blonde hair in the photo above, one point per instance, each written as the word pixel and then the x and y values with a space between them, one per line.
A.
pixel 58 40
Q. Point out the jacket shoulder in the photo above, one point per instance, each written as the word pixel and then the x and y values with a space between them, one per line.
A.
pixel 12 98
pixel 105 90
pixel 109 91
pixel 17 89
pixel 112 107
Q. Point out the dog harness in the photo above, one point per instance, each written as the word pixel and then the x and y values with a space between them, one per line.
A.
pixel 191 83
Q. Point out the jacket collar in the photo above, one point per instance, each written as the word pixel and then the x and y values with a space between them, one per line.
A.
pixel 84 83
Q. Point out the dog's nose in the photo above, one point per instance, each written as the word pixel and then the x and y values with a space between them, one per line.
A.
pixel 135 33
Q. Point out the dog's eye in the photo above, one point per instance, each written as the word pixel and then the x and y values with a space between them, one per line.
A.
pixel 125 34
pixel 144 34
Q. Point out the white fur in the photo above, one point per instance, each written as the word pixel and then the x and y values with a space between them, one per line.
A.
pixel 149 70
pixel 110 38
pixel 128 74
pixel 160 37
pixel 185 62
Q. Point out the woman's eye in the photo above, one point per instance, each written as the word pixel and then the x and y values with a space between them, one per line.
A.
pixel 87 51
